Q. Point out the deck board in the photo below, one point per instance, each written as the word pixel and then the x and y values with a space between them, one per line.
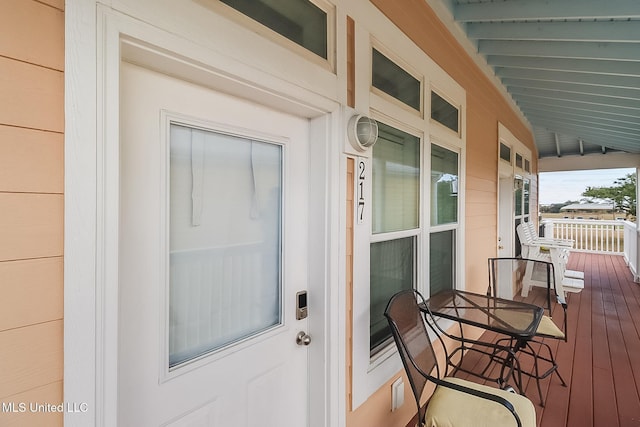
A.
pixel 602 355
pixel 601 359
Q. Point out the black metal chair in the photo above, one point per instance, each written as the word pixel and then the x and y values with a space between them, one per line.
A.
pixel 455 401
pixel 533 281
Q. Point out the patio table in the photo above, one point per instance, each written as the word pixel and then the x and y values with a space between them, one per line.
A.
pixel 514 319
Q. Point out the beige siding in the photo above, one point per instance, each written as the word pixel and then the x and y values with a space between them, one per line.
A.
pixel 31 161
pixel 31 96
pixel 47 393
pixel 31 292
pixel 31 356
pixel 44 47
pixel 31 209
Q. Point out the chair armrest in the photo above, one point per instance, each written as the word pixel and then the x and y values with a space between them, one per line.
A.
pixel 480 394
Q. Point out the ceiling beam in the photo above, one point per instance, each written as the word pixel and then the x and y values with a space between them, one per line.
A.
pixel 591 117
pixel 610 31
pixel 558 151
pixel 631 93
pixel 570 76
pixel 590 135
pixel 589 162
pixel 561 49
pixel 535 117
pixel 622 68
pixel 620 103
pixel 577 107
pixel 548 9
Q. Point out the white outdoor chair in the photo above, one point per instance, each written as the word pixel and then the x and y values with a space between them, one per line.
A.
pixel 558 254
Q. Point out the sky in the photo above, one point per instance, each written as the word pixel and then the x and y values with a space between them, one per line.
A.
pixel 558 187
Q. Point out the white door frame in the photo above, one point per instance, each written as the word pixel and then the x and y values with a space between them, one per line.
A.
pixel 97 38
pixel 506 176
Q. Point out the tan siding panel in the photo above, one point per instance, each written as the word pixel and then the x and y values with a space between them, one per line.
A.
pixel 481 221
pixel 31 161
pixel 32 32
pixel 481 184
pixel 50 393
pixel 31 226
pixel 351 62
pixel 31 292
pixel 32 96
pixel 58 4
pixel 31 356
pixel 481 208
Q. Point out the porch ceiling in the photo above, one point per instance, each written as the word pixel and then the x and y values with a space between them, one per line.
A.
pixel 571 66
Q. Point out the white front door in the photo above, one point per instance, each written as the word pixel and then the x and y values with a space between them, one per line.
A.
pixel 212 252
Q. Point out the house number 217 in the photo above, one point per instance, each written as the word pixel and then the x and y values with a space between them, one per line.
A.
pixel 361 201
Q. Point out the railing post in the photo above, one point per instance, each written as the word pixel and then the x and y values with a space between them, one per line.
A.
pixel 548 228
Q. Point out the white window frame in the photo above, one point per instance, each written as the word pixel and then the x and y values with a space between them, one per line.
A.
pixel 371 373
pixel 455 146
pixel 510 170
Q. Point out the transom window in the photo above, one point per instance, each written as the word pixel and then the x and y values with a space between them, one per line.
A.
pixel 300 21
pixel 393 80
pixel 443 112
pixel 505 153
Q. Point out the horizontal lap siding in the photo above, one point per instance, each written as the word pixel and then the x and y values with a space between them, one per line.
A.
pixel 31 209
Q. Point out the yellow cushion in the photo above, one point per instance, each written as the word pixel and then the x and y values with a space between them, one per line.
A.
pixel 520 320
pixel 451 408
pixel 548 328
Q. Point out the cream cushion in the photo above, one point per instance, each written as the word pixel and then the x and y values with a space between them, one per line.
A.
pixel 452 408
pixel 519 320
pixel 548 328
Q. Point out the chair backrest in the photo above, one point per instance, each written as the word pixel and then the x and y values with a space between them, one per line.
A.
pixel 523 234
pixel 524 279
pixel 414 345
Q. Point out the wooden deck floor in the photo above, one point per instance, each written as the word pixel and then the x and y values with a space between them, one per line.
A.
pixel 601 360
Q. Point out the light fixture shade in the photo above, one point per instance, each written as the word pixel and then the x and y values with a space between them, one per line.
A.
pixel 362 132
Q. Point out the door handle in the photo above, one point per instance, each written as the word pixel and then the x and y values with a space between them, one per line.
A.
pixel 303 338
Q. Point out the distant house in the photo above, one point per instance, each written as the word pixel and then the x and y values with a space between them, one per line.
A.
pixel 588 210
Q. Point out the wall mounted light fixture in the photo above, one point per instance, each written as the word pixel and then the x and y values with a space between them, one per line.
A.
pixel 362 132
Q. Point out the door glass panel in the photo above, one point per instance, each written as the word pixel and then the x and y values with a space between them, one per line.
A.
pixel 444 186
pixel 526 191
pixel 517 195
pixel 225 240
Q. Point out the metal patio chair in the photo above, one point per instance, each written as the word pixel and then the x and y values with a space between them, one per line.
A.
pixel 455 402
pixel 533 281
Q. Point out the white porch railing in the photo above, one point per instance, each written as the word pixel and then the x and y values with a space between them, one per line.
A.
pixel 597 236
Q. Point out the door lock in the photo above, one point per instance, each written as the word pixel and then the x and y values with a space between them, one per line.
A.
pixel 303 338
pixel 301 305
